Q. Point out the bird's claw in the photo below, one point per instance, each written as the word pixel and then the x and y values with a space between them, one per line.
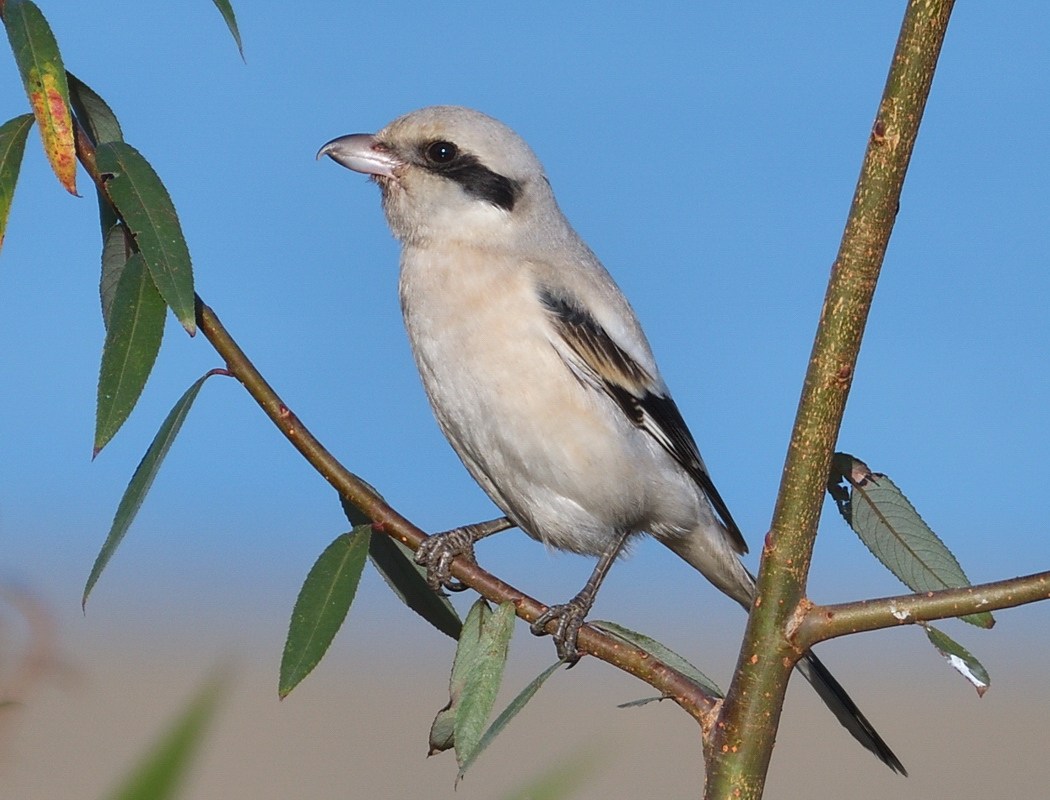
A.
pixel 570 617
pixel 436 554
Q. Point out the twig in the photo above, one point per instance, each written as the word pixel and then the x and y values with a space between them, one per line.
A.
pixel 634 661
pixel 819 623
pixel 387 520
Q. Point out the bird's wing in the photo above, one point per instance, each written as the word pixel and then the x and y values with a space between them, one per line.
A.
pixel 595 356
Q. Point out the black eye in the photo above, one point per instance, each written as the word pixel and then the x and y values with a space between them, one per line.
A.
pixel 441 152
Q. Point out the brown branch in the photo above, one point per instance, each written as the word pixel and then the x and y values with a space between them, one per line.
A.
pixel 819 623
pixel 745 734
pixel 632 660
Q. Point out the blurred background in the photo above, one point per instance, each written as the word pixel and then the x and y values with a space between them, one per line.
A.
pixel 707 153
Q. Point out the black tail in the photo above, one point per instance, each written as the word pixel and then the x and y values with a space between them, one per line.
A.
pixel 843 707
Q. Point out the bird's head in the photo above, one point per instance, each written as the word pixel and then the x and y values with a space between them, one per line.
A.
pixel 450 173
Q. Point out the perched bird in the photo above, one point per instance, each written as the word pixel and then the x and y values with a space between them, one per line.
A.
pixel 539 373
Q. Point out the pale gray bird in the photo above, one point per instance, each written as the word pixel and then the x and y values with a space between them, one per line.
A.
pixel 539 373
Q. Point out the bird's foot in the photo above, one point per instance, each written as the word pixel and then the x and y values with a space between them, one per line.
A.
pixel 436 554
pixel 570 618
pixel 571 615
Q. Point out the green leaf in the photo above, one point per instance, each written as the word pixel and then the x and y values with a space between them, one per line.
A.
pixel 960 658
pixel 147 209
pixel 483 678
pixel 322 606
pixel 44 78
pixel 443 729
pixel 142 480
pixel 898 537
pixel 132 343
pixel 406 578
pixel 408 581
pixel 641 701
pixel 12 145
pixel 355 515
pixel 660 652
pixel 107 217
pixel 231 22
pixel 94 113
pixel 162 770
pixel 476 673
pixel 101 125
pixel 505 716
pixel 114 257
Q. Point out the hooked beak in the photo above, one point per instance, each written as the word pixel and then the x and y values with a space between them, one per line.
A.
pixel 361 153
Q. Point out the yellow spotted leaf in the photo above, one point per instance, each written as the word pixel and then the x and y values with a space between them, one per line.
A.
pixel 44 78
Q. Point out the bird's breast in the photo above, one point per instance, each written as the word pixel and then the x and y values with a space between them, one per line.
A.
pixel 553 452
pixel 481 341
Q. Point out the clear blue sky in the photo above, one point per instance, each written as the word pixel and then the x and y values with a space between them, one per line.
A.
pixel 707 152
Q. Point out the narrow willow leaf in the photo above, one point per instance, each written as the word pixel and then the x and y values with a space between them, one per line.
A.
pixel 442 731
pixel 94 113
pixel 408 581
pixel 322 606
pixel 960 658
pixel 642 701
pixel 132 343
pixel 12 146
pixel 505 716
pixel 483 677
pixel 406 578
pixel 142 480
pixel 355 515
pixel 114 257
pixel 231 22
pixel 107 217
pixel 147 209
pixel 163 769
pixel 44 78
pixel 660 652
pixel 101 125
pixel 895 533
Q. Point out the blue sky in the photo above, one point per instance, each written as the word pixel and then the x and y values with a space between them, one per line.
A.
pixel 707 152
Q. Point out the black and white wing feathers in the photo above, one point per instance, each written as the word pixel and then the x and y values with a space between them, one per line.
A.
pixel 639 394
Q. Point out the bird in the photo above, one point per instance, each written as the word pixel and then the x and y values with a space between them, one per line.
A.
pixel 539 374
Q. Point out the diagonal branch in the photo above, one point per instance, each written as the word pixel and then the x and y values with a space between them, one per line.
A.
pixel 385 519
pixel 819 623
pixel 639 663
pixel 744 737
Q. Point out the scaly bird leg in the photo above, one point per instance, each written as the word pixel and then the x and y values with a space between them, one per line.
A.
pixel 437 551
pixel 571 615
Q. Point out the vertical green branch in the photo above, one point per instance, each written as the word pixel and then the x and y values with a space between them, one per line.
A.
pixel 742 743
